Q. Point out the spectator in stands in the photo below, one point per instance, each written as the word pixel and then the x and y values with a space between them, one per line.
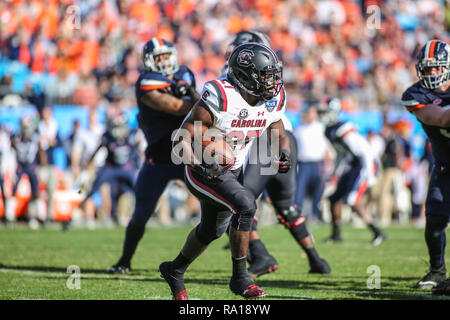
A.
pixel 390 162
pixel 5 145
pixel 48 141
pixel 84 146
pixel 312 148
pixel 69 141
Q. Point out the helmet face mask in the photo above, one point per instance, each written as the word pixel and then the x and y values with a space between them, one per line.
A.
pixel 160 56
pixel 256 69
pixel 434 55
pixel 328 111
pixel 118 127
pixel 26 127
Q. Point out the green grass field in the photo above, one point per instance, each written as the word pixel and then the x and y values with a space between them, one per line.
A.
pixel 33 265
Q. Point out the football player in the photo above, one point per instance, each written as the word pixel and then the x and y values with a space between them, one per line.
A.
pixel 165 93
pixel 429 100
pixel 355 169
pixel 120 163
pixel 234 106
pixel 281 190
pixel 27 148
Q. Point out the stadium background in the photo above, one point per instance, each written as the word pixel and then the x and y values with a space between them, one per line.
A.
pixel 76 56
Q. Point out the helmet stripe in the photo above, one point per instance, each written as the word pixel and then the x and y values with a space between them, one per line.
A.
pixel 427 50
pixel 155 42
pixel 161 42
pixel 431 50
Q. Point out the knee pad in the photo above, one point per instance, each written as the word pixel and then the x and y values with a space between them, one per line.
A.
pixel 293 220
pixel 243 221
pixel 206 235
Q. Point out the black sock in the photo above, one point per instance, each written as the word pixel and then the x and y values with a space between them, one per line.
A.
pixel 133 234
pixel 336 229
pixel 257 249
pixel 239 268
pixel 312 254
pixel 436 240
pixel 180 264
pixel 374 229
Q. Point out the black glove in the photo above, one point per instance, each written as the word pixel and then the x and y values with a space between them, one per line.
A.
pixel 283 161
pixel 210 171
pixel 183 89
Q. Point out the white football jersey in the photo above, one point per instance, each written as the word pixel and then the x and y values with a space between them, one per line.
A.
pixel 240 123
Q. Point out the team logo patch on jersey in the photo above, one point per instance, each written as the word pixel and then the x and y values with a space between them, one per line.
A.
pixel 205 95
pixel 270 105
pixel 245 57
pixel 243 114
pixel 437 101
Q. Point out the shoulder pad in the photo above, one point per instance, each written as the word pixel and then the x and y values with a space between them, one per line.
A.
pixel 415 97
pixel 344 128
pixel 214 96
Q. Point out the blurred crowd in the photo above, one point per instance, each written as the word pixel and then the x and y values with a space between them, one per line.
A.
pixel 88 52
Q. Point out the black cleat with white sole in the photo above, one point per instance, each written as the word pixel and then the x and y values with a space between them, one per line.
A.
pixel 432 278
pixel 119 269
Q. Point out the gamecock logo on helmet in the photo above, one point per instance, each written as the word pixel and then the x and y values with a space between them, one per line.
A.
pixel 245 57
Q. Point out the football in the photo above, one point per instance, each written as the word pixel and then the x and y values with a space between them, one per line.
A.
pixel 217 150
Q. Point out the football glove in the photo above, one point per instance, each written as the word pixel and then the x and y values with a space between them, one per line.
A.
pixel 183 89
pixel 210 171
pixel 283 161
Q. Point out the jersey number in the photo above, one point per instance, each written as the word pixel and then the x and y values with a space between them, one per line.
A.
pixel 236 136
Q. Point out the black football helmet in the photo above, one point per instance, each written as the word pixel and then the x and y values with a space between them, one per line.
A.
pixel 154 47
pixel 435 53
pixel 246 37
pixel 256 69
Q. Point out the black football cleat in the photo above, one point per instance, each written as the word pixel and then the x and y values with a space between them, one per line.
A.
pixel 246 288
pixel 263 265
pixel 119 269
pixel 379 239
pixel 320 267
pixel 333 239
pixel 176 284
pixel 432 279
pixel 442 288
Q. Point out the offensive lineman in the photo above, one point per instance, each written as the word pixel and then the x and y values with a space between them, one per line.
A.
pixel 165 93
pixel 429 100
pixel 234 106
